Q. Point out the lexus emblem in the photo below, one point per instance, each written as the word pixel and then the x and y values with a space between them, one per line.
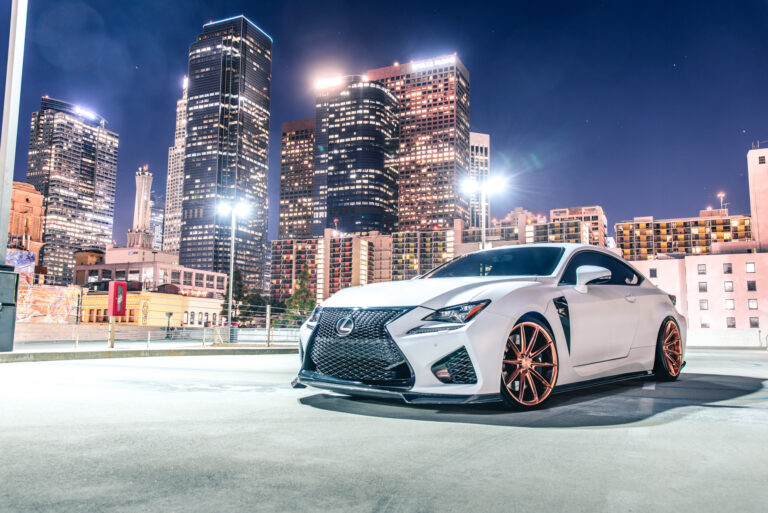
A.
pixel 345 325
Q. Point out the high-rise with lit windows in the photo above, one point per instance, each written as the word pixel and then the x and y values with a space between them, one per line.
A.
pixel 479 169
pixel 297 146
pixel 433 154
pixel 355 183
pixel 594 216
pixel 228 111
pixel 174 183
pixel 73 164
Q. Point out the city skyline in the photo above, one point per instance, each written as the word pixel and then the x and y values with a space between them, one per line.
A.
pixel 712 166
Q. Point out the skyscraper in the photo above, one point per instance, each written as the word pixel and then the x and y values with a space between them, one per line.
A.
pixel 174 183
pixel 73 163
pixel 226 147
pixel 140 236
pixel 757 168
pixel 433 155
pixel 297 146
pixel 479 169
pixel 156 218
pixel 355 185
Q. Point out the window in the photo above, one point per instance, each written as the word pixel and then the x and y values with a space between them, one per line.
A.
pixel 209 281
pixel 186 317
pixel 730 322
pixel 704 322
pixel 652 272
pixel 187 278
pixel 703 304
pixel 729 305
pixel 176 277
pixel 621 274
pixel 524 261
pixel 214 318
pixel 120 275
pixel 198 279
pixel 754 322
pixel 191 317
pixel 131 315
pixel 761 159
pixel 750 267
pixel 751 286
pixel 106 274
pixel 727 268
pixel 220 282
pixel 702 286
pixel 91 315
pixel 702 268
pixel 728 286
pixel 752 304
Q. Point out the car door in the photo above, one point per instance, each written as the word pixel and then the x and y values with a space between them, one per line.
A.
pixel 603 320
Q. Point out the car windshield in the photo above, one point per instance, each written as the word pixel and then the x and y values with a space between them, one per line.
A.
pixel 525 261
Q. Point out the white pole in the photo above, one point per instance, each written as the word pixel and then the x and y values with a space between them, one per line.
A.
pixel 231 270
pixel 269 323
pixel 147 338
pixel 18 28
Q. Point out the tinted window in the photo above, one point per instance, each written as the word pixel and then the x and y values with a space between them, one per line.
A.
pixel 529 261
pixel 621 274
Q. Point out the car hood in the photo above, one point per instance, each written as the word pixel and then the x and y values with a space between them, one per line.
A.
pixel 431 293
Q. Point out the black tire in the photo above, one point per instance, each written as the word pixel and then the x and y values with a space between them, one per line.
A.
pixel 664 368
pixel 533 369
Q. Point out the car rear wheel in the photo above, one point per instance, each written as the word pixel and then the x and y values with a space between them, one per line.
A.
pixel 669 351
pixel 529 366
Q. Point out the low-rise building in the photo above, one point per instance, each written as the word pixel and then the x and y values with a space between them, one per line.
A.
pixel 25 227
pixel 146 308
pixel 592 216
pixel 644 238
pixel 151 268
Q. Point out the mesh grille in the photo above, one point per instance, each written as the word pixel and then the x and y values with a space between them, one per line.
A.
pixel 366 355
pixel 459 366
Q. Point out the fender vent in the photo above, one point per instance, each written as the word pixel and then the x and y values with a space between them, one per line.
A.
pixel 565 318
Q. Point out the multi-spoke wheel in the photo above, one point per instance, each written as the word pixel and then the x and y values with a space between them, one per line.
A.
pixel 669 351
pixel 529 366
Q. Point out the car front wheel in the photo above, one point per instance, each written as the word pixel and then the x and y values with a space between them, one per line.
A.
pixel 529 366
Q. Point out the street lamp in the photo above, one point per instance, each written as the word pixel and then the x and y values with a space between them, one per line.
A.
pixel 240 209
pixel 490 185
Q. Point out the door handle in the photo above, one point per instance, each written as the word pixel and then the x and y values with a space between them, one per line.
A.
pixel 630 298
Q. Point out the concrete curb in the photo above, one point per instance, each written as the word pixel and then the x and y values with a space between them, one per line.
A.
pixel 137 353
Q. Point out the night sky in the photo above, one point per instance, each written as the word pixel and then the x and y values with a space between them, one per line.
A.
pixel 645 108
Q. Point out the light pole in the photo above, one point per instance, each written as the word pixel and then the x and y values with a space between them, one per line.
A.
pixel 239 209
pixel 490 185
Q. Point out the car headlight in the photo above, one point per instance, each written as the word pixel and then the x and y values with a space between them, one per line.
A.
pixel 458 314
pixel 314 316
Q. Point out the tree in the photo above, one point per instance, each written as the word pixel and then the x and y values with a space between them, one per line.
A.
pixel 301 302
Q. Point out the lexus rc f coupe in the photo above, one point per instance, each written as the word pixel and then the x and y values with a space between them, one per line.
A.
pixel 515 324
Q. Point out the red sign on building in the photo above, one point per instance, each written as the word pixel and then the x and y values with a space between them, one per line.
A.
pixel 118 298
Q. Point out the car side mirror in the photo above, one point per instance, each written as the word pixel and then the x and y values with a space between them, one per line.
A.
pixel 587 274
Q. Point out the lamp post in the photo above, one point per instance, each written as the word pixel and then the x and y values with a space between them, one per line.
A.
pixel 239 209
pixel 487 186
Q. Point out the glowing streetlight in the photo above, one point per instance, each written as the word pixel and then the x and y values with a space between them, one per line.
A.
pixel 491 185
pixel 240 209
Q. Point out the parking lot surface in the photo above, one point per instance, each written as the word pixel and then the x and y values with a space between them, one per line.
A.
pixel 227 433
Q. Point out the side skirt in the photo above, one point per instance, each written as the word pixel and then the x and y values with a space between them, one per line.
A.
pixel 600 381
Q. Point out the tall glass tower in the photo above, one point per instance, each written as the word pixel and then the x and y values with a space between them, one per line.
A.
pixel 228 102
pixel 73 163
pixel 355 185
pixel 174 183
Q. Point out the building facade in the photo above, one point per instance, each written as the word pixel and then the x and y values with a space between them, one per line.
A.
pixel 174 183
pixel 757 167
pixel 433 155
pixel 73 164
pixel 479 169
pixel 715 291
pixel 156 219
pixel 355 183
pixel 594 216
pixel 297 147
pixel 153 269
pixel 228 112
pixel 25 228
pixel 645 238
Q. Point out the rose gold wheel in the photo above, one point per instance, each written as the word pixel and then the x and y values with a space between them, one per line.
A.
pixel 672 348
pixel 529 367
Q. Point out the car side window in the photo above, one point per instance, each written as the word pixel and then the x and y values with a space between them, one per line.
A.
pixel 621 274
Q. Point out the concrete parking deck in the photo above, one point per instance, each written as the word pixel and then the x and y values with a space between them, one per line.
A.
pixel 227 433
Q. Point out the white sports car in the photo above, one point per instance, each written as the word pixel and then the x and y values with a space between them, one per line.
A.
pixel 513 324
